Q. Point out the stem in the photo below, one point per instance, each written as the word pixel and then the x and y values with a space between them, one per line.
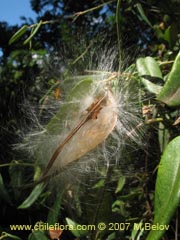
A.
pixel 140 125
pixel 115 74
pixel 43 23
pixel 82 55
pixel 165 62
pixel 76 15
pixel 119 34
pixel 17 164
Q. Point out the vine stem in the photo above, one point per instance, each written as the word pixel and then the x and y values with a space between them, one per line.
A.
pixel 165 62
pixel 82 55
pixel 119 34
pixel 77 14
pixel 17 164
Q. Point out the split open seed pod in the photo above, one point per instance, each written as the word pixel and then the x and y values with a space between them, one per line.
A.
pixel 85 120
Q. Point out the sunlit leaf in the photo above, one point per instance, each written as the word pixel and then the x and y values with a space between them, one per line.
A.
pixel 18 34
pixel 149 67
pixel 120 185
pixel 99 184
pixel 167 188
pixel 170 93
pixel 33 33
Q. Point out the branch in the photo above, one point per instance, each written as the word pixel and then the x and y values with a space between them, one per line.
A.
pixel 78 14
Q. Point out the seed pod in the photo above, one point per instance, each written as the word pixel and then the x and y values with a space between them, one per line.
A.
pixel 92 129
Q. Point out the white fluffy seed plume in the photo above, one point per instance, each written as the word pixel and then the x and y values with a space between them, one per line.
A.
pixel 104 112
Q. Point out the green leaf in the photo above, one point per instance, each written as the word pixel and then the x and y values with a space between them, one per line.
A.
pixel 37 235
pixel 73 227
pixel 4 194
pixel 142 13
pixel 112 236
pixel 16 172
pixel 99 184
pixel 33 196
pixel 119 207
pixel 120 185
pixel 171 34
pixel 137 232
pixel 149 67
pixel 167 188
pixel 170 93
pixel 80 88
pixel 18 34
pixel 158 32
pixel 55 211
pixel 17 176
pixel 34 31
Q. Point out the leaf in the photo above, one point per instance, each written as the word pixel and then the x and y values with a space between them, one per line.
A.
pixel 171 34
pixel 16 173
pixel 34 31
pixel 170 93
pixel 149 67
pixel 18 34
pixel 104 208
pixel 137 232
pixel 4 194
pixel 37 235
pixel 99 184
pixel 143 15
pixel 73 227
pixel 54 213
pixel 119 207
pixel 112 236
pixel 167 188
pixel 120 185
pixel 33 196
pixel 82 87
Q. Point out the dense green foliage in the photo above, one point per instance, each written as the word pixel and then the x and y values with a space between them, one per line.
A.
pixel 35 57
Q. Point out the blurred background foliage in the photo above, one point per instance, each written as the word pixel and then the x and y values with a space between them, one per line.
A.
pixel 27 71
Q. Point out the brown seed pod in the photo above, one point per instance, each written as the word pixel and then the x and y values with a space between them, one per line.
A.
pixel 92 129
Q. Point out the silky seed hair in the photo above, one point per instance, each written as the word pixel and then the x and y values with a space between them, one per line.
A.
pixel 98 124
